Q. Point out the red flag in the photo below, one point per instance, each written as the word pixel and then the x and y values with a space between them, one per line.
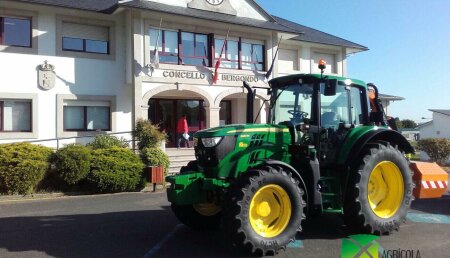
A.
pixel 216 71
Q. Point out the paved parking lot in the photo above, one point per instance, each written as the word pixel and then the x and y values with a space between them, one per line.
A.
pixel 142 225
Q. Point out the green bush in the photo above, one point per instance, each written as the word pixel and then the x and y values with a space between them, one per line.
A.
pixel 438 149
pixel 22 167
pixel 115 170
pixel 103 141
pixel 72 163
pixel 148 134
pixel 155 157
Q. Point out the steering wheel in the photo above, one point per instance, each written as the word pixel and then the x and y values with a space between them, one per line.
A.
pixel 298 113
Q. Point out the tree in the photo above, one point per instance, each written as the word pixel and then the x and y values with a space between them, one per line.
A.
pixel 438 149
pixel 407 123
pixel 398 123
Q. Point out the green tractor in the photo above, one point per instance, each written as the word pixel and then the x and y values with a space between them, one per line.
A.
pixel 328 148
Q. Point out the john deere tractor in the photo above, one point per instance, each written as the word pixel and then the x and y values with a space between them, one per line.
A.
pixel 328 148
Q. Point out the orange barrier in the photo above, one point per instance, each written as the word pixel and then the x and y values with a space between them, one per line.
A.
pixel 430 179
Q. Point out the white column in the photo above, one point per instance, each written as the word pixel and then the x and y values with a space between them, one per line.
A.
pixel 212 116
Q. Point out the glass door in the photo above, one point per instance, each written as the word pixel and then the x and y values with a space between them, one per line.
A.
pixel 167 112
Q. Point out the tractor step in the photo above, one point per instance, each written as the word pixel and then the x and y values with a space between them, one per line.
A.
pixel 331 202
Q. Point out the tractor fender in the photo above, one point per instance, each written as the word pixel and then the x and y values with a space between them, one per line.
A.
pixel 294 172
pixel 379 135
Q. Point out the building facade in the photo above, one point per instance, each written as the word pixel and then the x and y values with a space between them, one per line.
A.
pixel 75 68
pixel 439 127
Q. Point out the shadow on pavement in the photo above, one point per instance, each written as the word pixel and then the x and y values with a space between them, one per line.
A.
pixel 121 234
pixel 127 234
pixel 435 206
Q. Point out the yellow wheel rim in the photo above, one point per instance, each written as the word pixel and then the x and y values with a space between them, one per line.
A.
pixel 270 211
pixel 207 209
pixel 385 189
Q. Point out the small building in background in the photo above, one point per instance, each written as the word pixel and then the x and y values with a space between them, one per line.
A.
pixel 439 127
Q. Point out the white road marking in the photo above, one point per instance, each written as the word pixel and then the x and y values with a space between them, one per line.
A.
pixel 158 246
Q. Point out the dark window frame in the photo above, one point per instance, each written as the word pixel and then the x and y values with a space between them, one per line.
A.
pixel 263 62
pixel 2 31
pixel 238 61
pixel 85 123
pixel 195 56
pixel 84 46
pixel 163 46
pixel 2 105
pixel 210 50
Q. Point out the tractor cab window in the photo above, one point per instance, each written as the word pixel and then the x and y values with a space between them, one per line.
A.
pixel 292 104
pixel 344 108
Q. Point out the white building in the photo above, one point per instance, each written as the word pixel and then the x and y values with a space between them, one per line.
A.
pixel 100 53
pixel 439 127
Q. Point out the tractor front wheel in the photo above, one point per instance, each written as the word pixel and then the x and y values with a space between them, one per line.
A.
pixel 264 210
pixel 202 216
pixel 380 191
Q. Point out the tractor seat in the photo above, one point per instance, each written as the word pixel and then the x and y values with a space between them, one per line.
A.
pixel 330 120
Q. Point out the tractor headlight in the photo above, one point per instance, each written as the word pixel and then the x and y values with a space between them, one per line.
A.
pixel 211 142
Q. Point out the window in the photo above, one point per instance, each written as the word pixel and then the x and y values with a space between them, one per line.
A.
pixel 167 45
pixel 15 116
pixel 230 55
pixel 85 38
pixel 329 58
pixel 252 57
pixel 15 32
pixel 335 109
pixel 188 48
pixel 287 60
pixel 194 49
pixel 86 116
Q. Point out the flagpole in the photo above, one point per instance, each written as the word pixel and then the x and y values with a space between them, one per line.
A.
pixel 216 71
pixel 155 62
pixel 269 72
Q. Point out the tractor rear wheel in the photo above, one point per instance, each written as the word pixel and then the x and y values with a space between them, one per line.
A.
pixel 264 210
pixel 379 191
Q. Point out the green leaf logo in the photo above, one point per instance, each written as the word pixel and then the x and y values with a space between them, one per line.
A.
pixel 360 246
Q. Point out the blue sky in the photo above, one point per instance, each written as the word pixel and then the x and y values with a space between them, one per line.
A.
pixel 409 42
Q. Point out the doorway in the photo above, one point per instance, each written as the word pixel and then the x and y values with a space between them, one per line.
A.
pixel 167 112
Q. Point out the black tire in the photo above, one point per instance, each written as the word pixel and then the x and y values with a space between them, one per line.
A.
pixel 358 213
pixel 189 216
pixel 237 210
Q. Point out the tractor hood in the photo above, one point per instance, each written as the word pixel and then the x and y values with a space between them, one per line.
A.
pixel 238 129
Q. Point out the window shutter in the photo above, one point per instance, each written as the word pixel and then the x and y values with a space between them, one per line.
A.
pixel 82 31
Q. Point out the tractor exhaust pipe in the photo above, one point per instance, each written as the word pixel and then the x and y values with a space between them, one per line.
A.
pixel 250 102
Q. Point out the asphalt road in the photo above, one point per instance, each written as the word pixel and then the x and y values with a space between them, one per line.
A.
pixel 142 225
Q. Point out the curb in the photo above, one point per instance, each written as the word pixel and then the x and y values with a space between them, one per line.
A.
pixel 54 196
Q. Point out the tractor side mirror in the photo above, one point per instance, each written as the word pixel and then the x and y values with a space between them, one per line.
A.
pixel 330 87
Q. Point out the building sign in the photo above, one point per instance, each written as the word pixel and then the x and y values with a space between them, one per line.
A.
pixel 202 76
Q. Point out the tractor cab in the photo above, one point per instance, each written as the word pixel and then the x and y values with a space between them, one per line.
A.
pixel 319 111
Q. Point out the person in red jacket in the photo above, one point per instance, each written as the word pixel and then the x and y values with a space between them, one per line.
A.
pixel 182 129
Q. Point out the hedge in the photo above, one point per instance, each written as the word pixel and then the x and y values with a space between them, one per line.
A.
pixel 72 163
pixel 155 157
pixel 22 167
pixel 103 141
pixel 438 149
pixel 115 170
